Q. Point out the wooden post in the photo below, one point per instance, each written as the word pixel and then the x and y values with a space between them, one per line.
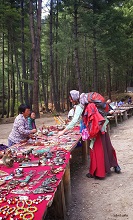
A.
pixel 125 117
pixel 67 185
pixel 116 119
pixel 85 145
pixel 120 117
pixel 59 203
pixel 109 127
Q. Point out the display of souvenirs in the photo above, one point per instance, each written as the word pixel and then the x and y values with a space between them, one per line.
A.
pixel 23 180
pixel 31 172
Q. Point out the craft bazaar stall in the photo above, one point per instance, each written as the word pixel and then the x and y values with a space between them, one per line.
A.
pixel 31 173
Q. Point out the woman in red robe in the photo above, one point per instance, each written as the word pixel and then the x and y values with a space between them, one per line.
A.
pixel 102 153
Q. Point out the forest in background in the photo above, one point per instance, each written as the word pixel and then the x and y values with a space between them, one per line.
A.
pixel 79 44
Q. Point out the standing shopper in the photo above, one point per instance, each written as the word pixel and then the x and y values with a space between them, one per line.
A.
pixel 20 131
pixel 102 153
pixel 74 98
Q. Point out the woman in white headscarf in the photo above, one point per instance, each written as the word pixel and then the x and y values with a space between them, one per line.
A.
pixel 74 98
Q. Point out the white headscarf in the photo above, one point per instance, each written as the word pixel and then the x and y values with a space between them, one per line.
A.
pixel 83 98
pixel 74 94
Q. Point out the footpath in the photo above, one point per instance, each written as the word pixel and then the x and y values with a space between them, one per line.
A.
pixel 111 198
pixel 108 199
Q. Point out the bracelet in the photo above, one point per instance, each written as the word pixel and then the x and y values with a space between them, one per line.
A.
pixel 22 202
pixel 27 214
pixel 32 209
pixel 11 210
pixel 20 210
pixel 28 202
pixel 4 209
pixel 4 192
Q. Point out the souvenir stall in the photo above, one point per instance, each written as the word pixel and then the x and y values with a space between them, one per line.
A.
pixel 31 173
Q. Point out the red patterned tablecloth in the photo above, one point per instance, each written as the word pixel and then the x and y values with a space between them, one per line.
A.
pixel 66 143
pixel 41 208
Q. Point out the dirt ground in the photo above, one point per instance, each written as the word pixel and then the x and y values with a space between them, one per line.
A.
pixel 108 199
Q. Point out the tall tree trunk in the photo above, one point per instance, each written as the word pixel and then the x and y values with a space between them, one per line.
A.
pixel 57 94
pixel 95 75
pixel 18 77
pixel 8 79
pixel 35 36
pixel 54 97
pixel 109 81
pixel 76 52
pixel 3 78
pixel 12 83
pixel 26 99
pixel 31 72
pixel 44 94
pixel 95 72
pixel 87 77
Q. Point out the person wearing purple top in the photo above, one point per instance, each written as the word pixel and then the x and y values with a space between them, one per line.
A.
pixel 20 131
pixel 121 102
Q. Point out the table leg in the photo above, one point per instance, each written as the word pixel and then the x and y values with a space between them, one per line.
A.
pixel 125 117
pixel 116 119
pixel 85 145
pixel 59 203
pixel 67 185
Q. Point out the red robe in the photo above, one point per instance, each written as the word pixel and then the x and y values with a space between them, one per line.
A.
pixel 103 155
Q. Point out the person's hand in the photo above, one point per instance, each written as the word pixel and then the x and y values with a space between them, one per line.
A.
pixel 33 131
pixel 60 133
pixel 111 111
pixel 31 136
pixel 66 121
pixel 23 141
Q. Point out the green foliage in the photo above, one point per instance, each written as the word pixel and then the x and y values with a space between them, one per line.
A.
pixel 104 26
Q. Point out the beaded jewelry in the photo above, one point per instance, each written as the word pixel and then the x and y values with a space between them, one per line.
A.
pixel 28 202
pixel 11 210
pixel 27 214
pixel 32 209
pixel 20 202
pixel 20 210
pixel 3 209
pixel 4 192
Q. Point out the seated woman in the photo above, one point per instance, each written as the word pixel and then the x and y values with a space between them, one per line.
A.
pixel 20 131
pixel 31 121
pixel 129 101
pixel 121 102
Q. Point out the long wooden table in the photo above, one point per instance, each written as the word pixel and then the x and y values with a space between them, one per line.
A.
pixel 120 114
pixel 61 196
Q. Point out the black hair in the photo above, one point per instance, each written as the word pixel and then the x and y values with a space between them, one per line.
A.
pixel 32 112
pixel 22 108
